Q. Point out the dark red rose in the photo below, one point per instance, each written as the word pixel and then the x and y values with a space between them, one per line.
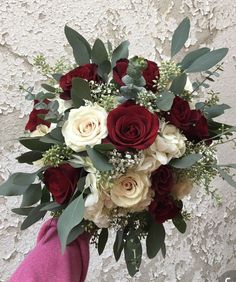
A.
pixel 150 73
pixel 191 122
pixel 164 209
pixel 162 181
pixel 34 120
pixel 87 71
pixel 131 126
pixel 61 181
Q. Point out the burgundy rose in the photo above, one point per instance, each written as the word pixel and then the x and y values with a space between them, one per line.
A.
pixel 34 119
pixel 162 181
pixel 164 209
pixel 191 122
pixel 150 73
pixel 87 71
pixel 131 126
pixel 61 181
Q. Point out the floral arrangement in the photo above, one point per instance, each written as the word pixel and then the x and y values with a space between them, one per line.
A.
pixel 119 142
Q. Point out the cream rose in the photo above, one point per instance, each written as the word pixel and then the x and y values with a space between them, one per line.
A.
pixel 170 143
pixel 85 126
pixel 40 130
pixel 182 188
pixel 130 189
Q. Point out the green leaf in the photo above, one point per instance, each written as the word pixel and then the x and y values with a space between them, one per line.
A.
pixel 104 147
pixel 22 211
pixel 99 52
pixel 193 56
pixel 33 143
pixel 53 137
pixel 70 217
pixel 215 110
pixel 53 206
pixel 32 195
pixel 121 52
pixel 163 250
pixel 227 165
pixel 208 60
pixel 155 239
pixel 35 215
pixel 80 90
pixel 80 46
pixel 17 183
pixel 165 100
pixel 49 88
pixel 180 36
pixel 75 233
pixel 42 96
pixel 29 157
pixel 186 161
pixel 133 254
pixel 57 76
pixel 118 244
pixel 178 84
pixel 102 240
pixel 99 160
pixel 179 223
pixel 228 178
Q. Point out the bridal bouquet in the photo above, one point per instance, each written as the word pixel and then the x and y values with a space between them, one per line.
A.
pixel 119 141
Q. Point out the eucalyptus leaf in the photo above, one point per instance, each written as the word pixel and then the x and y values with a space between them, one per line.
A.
pixel 186 161
pixel 80 46
pixel 228 178
pixel 35 215
pixel 207 60
pixel 80 90
pixel 75 233
pixel 48 87
pixel 163 250
pixel 17 183
pixel 180 36
pixel 133 254
pixel 227 165
pixel 165 100
pixel 29 157
pixel 57 76
pixel 121 52
pixel 215 110
pixel 32 195
pixel 178 84
pixel 22 211
pixel 155 239
pixel 102 240
pixel 179 223
pixel 33 143
pixel 104 147
pixel 118 244
pixel 52 206
pixel 99 52
pixel 99 161
pixel 193 56
pixel 70 217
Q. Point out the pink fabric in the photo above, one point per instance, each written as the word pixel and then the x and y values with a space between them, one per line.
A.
pixel 45 263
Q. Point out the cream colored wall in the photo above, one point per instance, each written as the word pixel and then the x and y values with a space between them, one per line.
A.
pixel 29 27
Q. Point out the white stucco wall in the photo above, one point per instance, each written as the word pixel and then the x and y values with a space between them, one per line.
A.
pixel 29 27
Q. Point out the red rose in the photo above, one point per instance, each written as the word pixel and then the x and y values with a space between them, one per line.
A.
pixel 191 122
pixel 87 71
pixel 34 120
pixel 131 126
pixel 61 181
pixel 162 181
pixel 164 209
pixel 150 73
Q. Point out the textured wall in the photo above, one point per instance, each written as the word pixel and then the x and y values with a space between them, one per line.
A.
pixel 29 27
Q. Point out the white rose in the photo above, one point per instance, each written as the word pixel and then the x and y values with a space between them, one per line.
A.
pixel 98 212
pixel 85 126
pixel 148 163
pixel 188 86
pixel 130 189
pixel 91 183
pixel 40 130
pixel 170 143
pixel 182 188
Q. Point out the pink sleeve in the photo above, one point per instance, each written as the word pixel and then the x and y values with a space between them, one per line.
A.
pixel 45 263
